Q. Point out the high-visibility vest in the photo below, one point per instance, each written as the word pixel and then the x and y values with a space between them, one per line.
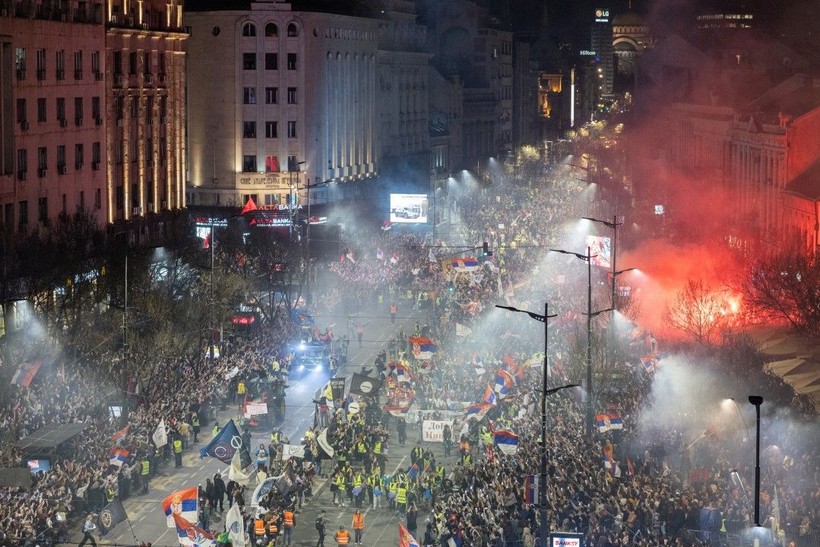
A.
pixel 401 495
pixel 259 527
pixel 362 448
pixel 358 521
pixel 195 421
pixel 377 447
pixel 357 481
pixel 177 446
pixel 340 482
pixel 342 537
pixel 146 468
pixel 110 494
pixel 288 517
pixel 440 471
pixel 274 437
pixel 273 528
pixel 240 389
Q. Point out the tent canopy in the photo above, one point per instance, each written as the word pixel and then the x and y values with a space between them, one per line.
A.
pixel 49 437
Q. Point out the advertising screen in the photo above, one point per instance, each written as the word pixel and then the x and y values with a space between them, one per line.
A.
pixel 566 539
pixel 408 208
pixel 601 251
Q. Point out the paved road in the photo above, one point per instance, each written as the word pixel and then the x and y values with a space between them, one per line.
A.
pixel 145 512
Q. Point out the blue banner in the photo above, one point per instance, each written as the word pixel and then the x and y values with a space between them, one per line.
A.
pixel 224 445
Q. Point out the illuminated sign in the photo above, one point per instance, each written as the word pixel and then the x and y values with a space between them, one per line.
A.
pixel 408 208
pixel 600 250
pixel 209 221
pixel 270 222
pixel 659 209
pixel 602 15
pixel 587 53
pixel 566 539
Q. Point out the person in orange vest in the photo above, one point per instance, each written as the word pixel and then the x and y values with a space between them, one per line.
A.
pixel 393 311
pixel 259 528
pixel 358 526
pixel 359 333
pixel 288 522
pixel 342 536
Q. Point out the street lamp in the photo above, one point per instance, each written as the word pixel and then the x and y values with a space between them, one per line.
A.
pixel 614 225
pixel 757 400
pixel 542 482
pixel 590 314
pixel 294 168
pixel 742 417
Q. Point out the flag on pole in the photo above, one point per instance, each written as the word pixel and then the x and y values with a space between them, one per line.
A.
pixel 506 441
pixel 235 472
pixel 478 410
pixel 405 538
pixel 191 534
pixel 504 382
pixel 629 467
pixel 111 515
pixel 235 525
pixel 531 489
pixel 489 396
pixel 119 435
pixel 184 503
pixel 160 436
pixel 117 456
pixel 224 445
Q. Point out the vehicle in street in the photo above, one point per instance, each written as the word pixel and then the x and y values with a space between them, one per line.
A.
pixel 309 355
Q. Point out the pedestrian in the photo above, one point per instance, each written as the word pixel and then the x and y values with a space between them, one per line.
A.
pixel 320 528
pixel 288 523
pixel 219 492
pixel 342 536
pixel 359 333
pixel 412 515
pixel 177 447
pixel 195 425
pixel 88 530
pixel 358 526
pixel 145 473
pixel 401 427
pixel 393 310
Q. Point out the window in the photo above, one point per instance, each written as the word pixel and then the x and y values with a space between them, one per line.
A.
pixel 21 110
pixel 61 108
pixel 42 210
pixel 270 130
pixel 41 64
pixel 41 110
pixel 271 95
pixel 149 152
pixel 248 30
pixel 271 164
pixel 149 109
pixel 120 197
pixel 271 30
pixel 60 157
pixel 23 215
pixel 135 107
pixel 95 152
pixel 118 62
pixel 132 62
pixel 42 158
pixel 147 66
pixel 291 61
pixel 118 107
pixel 271 61
pixel 249 95
pixel 79 156
pixel 95 62
pixel 291 95
pixel 81 201
pixel 78 65
pixel 248 164
pixel 78 111
pixel 22 160
pixel 95 108
pixel 291 130
pixel 20 60
pixel 60 64
pixel 249 130
pixel 293 31
pixel 249 61
pixel 98 198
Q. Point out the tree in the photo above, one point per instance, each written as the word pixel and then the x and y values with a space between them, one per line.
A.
pixel 785 286
pixel 698 311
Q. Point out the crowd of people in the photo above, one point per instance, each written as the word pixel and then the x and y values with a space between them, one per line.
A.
pixel 614 487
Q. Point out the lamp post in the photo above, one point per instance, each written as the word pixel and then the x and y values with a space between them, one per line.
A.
pixel 757 400
pixel 294 168
pixel 614 225
pixel 590 314
pixel 542 482
pixel 742 417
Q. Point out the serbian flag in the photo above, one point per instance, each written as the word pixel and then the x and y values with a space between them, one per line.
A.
pixel 478 410
pixel 401 373
pixel 504 382
pixel 615 420
pixel 117 456
pixel 191 534
pixel 422 347
pixel 514 368
pixel 506 441
pixel 121 433
pixel 182 503
pixel 629 467
pixel 26 373
pixel 649 363
pixel 489 396
pixel 405 539
pixel 465 264
pixel 531 489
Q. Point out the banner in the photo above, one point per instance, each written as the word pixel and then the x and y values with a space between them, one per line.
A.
pixel 463 330
pixel 183 503
pixel 364 385
pixel 235 526
pixel 224 445
pixel 235 472
pixel 321 438
pixel 432 431
pixel 255 408
pixel 26 373
pixel 111 515
pixel 337 387
pixel 160 436
pixel 293 451
pixel 191 534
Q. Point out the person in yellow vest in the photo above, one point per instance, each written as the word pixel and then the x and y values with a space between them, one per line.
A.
pixel 195 425
pixel 358 526
pixel 393 489
pixel 358 488
pixel 177 448
pixel 338 492
pixel 241 390
pixel 288 522
pixel 145 473
pixel 342 536
pixel 259 531
pixel 401 498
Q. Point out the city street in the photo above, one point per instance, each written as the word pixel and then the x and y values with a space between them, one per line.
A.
pixel 145 512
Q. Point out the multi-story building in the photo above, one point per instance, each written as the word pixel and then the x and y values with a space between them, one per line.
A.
pixel 274 95
pixel 52 96
pixel 601 44
pixel 145 111
pixel 91 110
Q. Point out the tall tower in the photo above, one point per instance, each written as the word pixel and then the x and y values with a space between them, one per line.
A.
pixel 604 55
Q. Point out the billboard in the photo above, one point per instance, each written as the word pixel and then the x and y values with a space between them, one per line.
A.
pixel 600 248
pixel 566 539
pixel 408 208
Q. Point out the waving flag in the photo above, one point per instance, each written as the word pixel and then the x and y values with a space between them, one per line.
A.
pixel 489 395
pixel 182 503
pixel 422 347
pixel 111 515
pixel 235 472
pixel 405 538
pixel 504 382
pixel 191 534
pixel 478 410
pixel 607 421
pixel 224 445
pixel 531 489
pixel 160 436
pixel 119 435
pixel 26 373
pixel 512 366
pixel 235 525
pixel 506 441
pixel 117 456
pixel 469 264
